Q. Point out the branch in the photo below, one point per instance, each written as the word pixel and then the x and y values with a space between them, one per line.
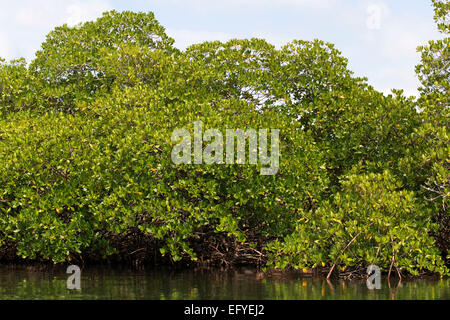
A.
pixel 346 247
pixel 393 263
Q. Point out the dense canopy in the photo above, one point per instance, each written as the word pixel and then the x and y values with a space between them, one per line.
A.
pixel 86 169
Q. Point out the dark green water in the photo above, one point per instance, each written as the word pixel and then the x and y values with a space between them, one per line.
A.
pixel 107 283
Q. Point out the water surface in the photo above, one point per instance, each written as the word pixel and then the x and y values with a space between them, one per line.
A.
pixel 163 284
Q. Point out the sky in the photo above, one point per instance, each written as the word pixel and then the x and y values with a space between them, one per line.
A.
pixel 378 37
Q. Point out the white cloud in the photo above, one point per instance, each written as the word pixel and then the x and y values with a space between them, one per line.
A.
pixel 5 47
pixel 50 13
pixel 386 53
pixel 373 21
pixel 214 5
pixel 362 16
pixel 25 23
pixel 82 12
pixel 31 17
pixel 390 78
pixel 401 40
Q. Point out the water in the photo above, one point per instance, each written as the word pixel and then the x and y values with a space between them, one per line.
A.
pixel 162 284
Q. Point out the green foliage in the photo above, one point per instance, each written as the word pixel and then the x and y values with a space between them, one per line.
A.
pixel 72 62
pixel 18 89
pixel 65 186
pixel 429 160
pixel 309 82
pixel 85 145
pixel 241 69
pixel 441 14
pixel 372 221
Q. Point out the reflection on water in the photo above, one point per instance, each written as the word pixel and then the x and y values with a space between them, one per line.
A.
pixel 107 283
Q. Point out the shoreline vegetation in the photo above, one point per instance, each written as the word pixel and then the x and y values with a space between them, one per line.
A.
pixel 139 251
pixel 87 176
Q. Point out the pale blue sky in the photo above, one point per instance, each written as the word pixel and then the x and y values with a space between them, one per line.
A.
pixel 379 37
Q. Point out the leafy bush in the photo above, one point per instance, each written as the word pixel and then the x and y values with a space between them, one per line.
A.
pixel 68 180
pixel 85 151
pixel 372 221
pixel 18 88
pixel 72 62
